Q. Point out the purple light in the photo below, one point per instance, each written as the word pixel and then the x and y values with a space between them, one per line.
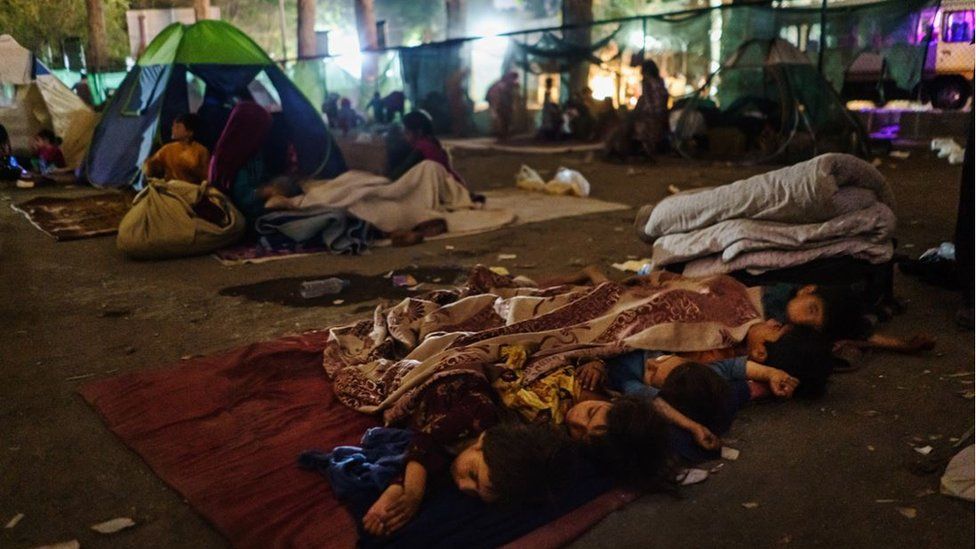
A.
pixel 926 23
pixel 958 26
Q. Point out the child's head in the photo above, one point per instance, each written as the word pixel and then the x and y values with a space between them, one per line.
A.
pixel 4 137
pixel 417 124
pixel 762 334
pixel 345 103
pixel 836 311
pixel 634 444
pixel 588 419
pixel 515 462
pixel 45 138
pixel 185 127
pixel 700 393
pixel 805 354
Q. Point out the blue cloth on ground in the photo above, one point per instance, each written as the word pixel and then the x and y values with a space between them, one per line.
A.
pixel 360 474
pixel 330 228
pixel 448 518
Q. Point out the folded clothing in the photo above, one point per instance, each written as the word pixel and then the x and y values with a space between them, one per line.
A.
pixel 359 474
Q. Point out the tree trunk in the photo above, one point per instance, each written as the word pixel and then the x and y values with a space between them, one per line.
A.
pixel 366 25
pixel 97 54
pixel 306 29
pixel 201 9
pixel 578 12
pixel 456 20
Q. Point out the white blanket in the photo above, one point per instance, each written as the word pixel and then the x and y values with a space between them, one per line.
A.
pixel 426 192
pixel 802 193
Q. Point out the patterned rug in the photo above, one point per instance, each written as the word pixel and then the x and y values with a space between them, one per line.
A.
pixel 76 218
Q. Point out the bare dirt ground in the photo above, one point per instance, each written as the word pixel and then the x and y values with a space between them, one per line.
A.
pixel 823 473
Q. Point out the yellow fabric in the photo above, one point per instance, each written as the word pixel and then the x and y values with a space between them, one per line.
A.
pixel 180 161
pixel 162 222
pixel 545 400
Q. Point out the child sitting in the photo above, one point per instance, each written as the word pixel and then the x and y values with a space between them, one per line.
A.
pixel 183 158
pixel 46 147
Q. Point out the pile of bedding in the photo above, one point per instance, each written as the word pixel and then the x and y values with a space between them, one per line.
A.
pixel 834 205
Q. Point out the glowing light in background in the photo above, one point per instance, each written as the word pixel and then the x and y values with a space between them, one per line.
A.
pixel 487 56
pixel 345 45
pixel 603 86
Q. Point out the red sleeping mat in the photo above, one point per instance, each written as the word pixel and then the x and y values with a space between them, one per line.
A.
pixel 225 432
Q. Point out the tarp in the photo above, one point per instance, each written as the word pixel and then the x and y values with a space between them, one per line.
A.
pixel 226 65
pixel 41 101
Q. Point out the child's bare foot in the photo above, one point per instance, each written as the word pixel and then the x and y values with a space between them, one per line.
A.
pixel 431 228
pixel 406 238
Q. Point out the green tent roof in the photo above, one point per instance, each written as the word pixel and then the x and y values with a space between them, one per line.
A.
pixel 203 42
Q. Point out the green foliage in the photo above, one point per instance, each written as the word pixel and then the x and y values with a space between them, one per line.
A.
pixel 42 25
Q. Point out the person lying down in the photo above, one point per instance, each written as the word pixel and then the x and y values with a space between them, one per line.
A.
pixel 459 420
pixel 454 418
pixel 835 311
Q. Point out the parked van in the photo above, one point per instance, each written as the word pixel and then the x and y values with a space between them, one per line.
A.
pixel 947 78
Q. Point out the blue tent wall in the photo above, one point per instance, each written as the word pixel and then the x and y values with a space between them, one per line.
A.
pixel 140 114
pixel 124 137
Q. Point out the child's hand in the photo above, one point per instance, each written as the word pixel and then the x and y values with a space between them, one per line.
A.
pixel 394 508
pixel 705 438
pixel 781 383
pixel 592 375
pixel 402 509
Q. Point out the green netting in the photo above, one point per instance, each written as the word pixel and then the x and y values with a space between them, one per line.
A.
pixel 688 46
pixel 767 102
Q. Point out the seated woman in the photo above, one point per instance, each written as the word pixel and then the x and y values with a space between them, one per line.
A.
pixel 418 132
pixel 183 158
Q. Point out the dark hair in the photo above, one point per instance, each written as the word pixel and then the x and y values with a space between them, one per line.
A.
pixel 635 447
pixel 48 135
pixel 698 392
pixel 419 122
pixel 190 121
pixel 529 462
pixel 649 68
pixel 4 136
pixel 843 313
pixel 805 354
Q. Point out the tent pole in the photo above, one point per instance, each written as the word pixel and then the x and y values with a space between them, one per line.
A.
pixel 284 32
pixel 823 36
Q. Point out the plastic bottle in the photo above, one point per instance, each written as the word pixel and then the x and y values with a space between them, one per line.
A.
pixel 318 288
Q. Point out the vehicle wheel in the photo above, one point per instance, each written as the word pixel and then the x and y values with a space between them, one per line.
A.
pixel 950 93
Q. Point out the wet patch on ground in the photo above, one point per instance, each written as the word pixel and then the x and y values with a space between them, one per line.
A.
pixel 361 288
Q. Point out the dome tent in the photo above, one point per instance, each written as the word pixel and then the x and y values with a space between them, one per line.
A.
pixel 767 102
pixel 229 67
pixel 36 99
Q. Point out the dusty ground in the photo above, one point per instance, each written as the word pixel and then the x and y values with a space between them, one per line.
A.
pixel 815 469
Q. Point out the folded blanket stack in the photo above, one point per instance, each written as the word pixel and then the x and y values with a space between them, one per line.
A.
pixel 834 205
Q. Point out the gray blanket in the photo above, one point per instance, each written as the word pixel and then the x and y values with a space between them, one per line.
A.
pixel 802 193
pixel 730 239
pixel 831 206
